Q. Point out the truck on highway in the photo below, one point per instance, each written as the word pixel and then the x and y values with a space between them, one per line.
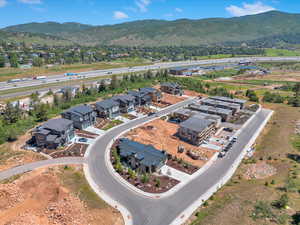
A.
pixel 39 78
pixel 14 80
pixel 71 74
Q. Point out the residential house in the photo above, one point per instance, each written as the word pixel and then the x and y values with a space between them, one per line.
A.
pixel 127 102
pixel 221 104
pixel 184 114
pixel 225 114
pixel 82 116
pixel 54 133
pixel 72 90
pixel 195 130
pixel 108 108
pixel 141 98
pixel 171 88
pixel 241 102
pixel 154 93
pixel 140 157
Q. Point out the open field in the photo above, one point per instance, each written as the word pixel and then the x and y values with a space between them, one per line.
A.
pixel 13 73
pixel 54 195
pixel 234 203
pixel 161 135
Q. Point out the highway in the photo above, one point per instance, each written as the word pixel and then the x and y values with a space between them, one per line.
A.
pixel 146 211
pixel 100 73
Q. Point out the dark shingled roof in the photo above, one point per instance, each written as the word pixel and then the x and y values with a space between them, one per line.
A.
pixel 171 85
pixel 81 109
pixel 226 99
pixel 107 104
pixel 196 124
pixel 59 125
pixel 146 153
pixel 124 98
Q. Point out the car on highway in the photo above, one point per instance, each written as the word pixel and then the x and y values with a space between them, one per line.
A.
pixel 151 114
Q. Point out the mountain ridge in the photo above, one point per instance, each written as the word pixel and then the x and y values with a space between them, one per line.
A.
pixel 189 32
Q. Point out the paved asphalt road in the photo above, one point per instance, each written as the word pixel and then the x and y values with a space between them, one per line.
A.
pixel 98 73
pixel 31 166
pixel 147 211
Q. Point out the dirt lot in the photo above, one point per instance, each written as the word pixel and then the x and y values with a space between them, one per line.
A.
pixel 86 134
pixel 235 202
pixel 47 196
pixel 192 93
pixel 73 150
pixel 161 135
pixel 12 154
pixel 168 100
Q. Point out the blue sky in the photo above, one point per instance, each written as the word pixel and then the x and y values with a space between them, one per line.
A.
pixel 99 12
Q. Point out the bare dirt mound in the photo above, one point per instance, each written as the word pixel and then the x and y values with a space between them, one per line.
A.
pixel 260 170
pixel 39 198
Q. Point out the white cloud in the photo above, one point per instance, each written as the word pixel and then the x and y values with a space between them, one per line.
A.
pixel 179 10
pixel 31 1
pixel 120 15
pixel 249 9
pixel 3 3
pixel 143 5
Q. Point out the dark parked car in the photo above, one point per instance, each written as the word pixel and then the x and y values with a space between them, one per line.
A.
pixel 83 140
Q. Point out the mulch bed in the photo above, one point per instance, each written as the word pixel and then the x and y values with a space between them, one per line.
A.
pixel 166 183
pixel 85 134
pixel 183 167
pixel 129 116
pixel 77 150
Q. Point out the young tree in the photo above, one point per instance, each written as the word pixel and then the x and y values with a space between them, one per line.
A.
pixel 13 60
pixel 114 82
pixel 102 86
pixel 2 61
pixel 41 112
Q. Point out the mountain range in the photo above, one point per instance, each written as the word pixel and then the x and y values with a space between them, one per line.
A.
pixel 182 32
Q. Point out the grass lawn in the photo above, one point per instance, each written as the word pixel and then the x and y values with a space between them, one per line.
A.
pixel 76 182
pixel 234 203
pixel 13 73
pixel 281 52
pixel 112 124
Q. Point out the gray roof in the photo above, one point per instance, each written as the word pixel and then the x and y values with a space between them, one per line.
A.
pixel 170 84
pixel 81 109
pixel 210 109
pixel 124 98
pixel 107 104
pixel 196 124
pixel 221 103
pixel 147 154
pixel 59 125
pixel 226 99
pixel 148 90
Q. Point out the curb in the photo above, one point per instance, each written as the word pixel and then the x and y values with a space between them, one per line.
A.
pixel 182 217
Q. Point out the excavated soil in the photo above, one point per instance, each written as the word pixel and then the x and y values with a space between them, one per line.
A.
pixel 161 135
pixel 39 197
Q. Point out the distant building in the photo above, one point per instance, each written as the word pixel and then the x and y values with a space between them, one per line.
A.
pixel 241 102
pixel 54 133
pixel 126 102
pixel 171 88
pixel 82 116
pixel 140 157
pixel 225 114
pixel 195 130
pixel 108 108
pixel 221 104
pixel 179 71
pixel 72 90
